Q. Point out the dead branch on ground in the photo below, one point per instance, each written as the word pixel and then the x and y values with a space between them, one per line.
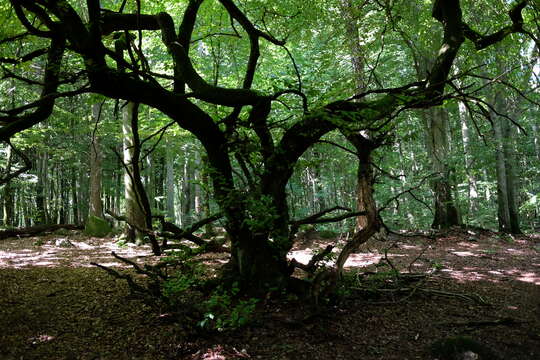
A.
pixel 36 230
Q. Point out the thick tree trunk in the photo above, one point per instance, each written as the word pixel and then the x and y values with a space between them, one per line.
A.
pixel 350 13
pixel 435 123
pixel 133 205
pixel 371 222
pixel 505 162
pixel 364 175
pixel 96 207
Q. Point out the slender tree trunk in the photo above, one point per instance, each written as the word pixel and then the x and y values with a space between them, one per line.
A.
pixel 472 191
pixel 187 194
pixel 74 196
pixel 7 194
pixel 197 187
pixel 170 195
pixel 536 139
pixel 64 196
pixel 208 229
pixel 150 180
pixel 42 189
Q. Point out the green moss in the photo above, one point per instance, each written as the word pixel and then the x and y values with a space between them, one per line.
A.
pixel 97 227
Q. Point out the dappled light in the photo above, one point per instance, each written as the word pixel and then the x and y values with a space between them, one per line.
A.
pixel 42 252
pixel 485 268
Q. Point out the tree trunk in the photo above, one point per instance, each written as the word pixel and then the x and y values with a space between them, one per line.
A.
pixel 536 140
pixel 186 194
pixel 169 168
pixel 74 196
pixel 505 160
pixel 472 191
pixel 350 13
pixel 7 195
pixel 42 189
pixel 435 123
pixel 371 222
pixel 134 208
pixel 96 207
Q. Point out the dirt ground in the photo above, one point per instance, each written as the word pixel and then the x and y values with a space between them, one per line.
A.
pixel 55 305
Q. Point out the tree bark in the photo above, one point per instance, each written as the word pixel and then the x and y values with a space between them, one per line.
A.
pixel 435 123
pixel 42 189
pixel 350 13
pixel 96 206
pixel 7 198
pixel 133 206
pixel 170 194
pixel 505 159
pixel 472 191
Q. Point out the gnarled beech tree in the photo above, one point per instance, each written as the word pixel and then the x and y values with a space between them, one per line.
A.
pixel 260 235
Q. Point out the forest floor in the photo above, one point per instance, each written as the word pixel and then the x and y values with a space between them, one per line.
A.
pixel 55 305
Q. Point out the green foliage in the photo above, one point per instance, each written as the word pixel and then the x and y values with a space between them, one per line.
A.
pixel 39 242
pixel 261 213
pixel 223 310
pixel 176 286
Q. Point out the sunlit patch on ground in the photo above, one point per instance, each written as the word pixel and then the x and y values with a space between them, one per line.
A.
pixel 29 252
pixel 55 302
pixel 463 253
pixel 354 260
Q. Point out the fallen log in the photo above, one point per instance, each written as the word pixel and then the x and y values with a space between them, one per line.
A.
pixel 37 230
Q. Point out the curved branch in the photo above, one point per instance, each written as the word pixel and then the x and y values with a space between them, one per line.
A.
pixel 186 72
pixel 28 57
pixel 17 6
pixel 27 165
pixel 482 41
pixel 239 16
pixel 112 22
pixel 44 109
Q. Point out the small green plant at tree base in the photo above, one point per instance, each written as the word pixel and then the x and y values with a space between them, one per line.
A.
pixel 177 285
pixel 508 238
pixel 490 251
pixel 39 242
pixel 122 243
pixel 222 311
pixel 437 265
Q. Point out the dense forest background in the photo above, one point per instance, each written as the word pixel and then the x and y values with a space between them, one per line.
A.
pixel 332 50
